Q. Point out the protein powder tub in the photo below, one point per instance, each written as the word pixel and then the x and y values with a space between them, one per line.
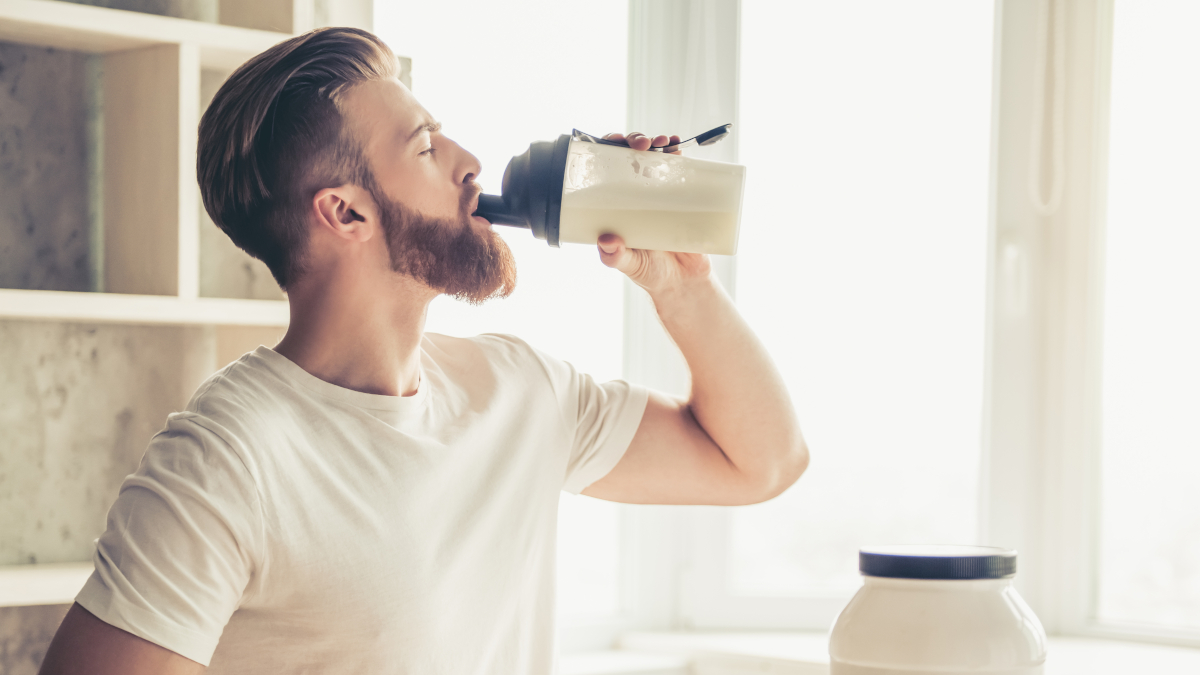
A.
pixel 950 610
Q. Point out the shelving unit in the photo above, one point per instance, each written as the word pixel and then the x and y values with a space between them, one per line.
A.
pixel 99 30
pixel 50 584
pixel 140 309
pixel 158 73
pixel 151 108
pixel 87 376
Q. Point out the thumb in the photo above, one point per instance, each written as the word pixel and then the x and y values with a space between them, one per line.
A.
pixel 614 254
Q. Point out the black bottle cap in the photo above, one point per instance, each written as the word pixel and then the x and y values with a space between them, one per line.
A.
pixel 938 562
pixel 531 190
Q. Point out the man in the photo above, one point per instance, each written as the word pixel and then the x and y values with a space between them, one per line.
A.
pixel 366 498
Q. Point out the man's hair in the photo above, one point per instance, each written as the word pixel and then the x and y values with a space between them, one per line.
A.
pixel 274 135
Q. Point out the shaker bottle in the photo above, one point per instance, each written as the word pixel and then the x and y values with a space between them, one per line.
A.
pixel 578 187
pixel 950 610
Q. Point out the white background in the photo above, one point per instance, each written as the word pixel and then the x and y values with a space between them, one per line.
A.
pixel 1150 535
pixel 865 129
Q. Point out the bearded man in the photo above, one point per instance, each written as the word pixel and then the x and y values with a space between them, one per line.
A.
pixel 366 497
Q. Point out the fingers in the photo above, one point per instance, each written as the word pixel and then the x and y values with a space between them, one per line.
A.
pixel 635 140
pixel 614 254
pixel 639 141
pixel 658 141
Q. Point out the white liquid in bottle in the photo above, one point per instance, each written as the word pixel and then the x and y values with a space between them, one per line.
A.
pixel 653 201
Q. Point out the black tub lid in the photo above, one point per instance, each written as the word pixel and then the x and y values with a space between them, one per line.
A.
pixel 937 562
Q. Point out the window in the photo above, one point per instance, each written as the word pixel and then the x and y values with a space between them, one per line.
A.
pixel 1149 569
pixel 865 131
pixel 1088 392
pixel 497 82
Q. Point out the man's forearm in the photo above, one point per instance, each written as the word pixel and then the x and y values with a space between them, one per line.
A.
pixel 738 395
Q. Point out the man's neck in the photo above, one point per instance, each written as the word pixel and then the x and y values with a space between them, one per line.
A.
pixel 359 334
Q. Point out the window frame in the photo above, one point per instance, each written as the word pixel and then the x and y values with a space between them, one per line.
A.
pixel 1041 431
pixel 1040 488
pixel 1041 423
pixel 1043 412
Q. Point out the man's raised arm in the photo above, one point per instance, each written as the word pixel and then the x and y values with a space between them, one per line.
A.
pixel 736 440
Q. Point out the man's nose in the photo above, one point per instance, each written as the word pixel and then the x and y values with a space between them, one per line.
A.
pixel 467 168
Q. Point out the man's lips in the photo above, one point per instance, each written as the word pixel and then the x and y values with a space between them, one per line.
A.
pixel 477 190
pixel 473 207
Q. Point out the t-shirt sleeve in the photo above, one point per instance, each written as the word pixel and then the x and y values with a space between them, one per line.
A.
pixel 600 420
pixel 182 543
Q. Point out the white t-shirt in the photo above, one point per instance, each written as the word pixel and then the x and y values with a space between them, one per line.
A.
pixel 283 524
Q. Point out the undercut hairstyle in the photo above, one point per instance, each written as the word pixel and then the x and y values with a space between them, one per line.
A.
pixel 274 136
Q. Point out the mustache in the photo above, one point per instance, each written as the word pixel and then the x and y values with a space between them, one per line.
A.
pixel 470 196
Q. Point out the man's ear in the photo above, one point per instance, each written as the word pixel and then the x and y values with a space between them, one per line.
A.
pixel 346 211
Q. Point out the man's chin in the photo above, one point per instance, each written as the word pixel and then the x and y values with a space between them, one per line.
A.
pixel 478 296
pixel 495 279
pixel 463 258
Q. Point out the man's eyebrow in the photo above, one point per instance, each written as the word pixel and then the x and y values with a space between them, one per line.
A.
pixel 431 127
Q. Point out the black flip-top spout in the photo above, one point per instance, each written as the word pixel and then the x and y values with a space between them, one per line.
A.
pixel 532 190
pixel 496 211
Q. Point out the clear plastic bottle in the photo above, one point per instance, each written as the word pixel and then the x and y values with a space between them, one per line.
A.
pixel 653 201
pixel 949 610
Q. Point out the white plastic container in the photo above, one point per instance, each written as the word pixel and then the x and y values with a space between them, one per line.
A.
pixel 949 610
pixel 654 201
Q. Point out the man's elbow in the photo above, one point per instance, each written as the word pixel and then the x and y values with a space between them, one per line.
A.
pixel 782 474
pixel 790 468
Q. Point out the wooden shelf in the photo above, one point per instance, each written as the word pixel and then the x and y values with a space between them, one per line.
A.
pixel 140 309
pixel 49 584
pixel 66 25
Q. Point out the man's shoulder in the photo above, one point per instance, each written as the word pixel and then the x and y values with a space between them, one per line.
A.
pixel 231 378
pixel 245 390
pixel 490 346
pixel 498 353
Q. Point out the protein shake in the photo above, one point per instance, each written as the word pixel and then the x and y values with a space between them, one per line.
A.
pixel 653 201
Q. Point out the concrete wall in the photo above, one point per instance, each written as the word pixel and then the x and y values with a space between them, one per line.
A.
pixel 80 403
pixel 25 633
pixel 44 177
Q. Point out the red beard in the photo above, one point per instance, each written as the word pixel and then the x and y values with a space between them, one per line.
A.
pixel 449 255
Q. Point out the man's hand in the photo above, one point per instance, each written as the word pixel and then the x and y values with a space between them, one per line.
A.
pixel 655 271
pixel 659 272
